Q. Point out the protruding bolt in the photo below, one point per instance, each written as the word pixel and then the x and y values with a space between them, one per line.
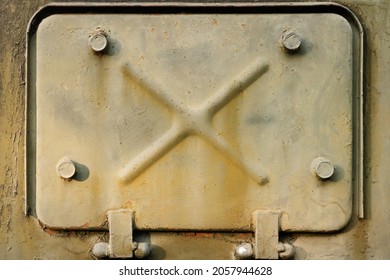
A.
pixel 66 168
pixel 244 251
pixel 100 250
pixel 323 168
pixel 286 251
pixel 143 250
pixel 291 41
pixel 98 42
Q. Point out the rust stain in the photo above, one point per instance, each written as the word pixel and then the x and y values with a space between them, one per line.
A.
pixel 128 204
pixel 213 21
pixel 51 232
pixel 204 234
pixel 84 226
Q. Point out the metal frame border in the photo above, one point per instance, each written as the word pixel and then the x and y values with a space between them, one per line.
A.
pixel 200 8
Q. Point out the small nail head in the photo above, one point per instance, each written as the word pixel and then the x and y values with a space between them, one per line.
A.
pixel 98 42
pixel 291 41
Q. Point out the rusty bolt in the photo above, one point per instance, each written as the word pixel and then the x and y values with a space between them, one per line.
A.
pixel 244 251
pixel 291 41
pixel 66 168
pixel 323 168
pixel 98 42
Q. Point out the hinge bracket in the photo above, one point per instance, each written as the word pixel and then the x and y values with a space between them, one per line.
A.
pixel 121 244
pixel 266 228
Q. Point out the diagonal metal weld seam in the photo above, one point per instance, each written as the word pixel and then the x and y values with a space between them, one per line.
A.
pixel 194 121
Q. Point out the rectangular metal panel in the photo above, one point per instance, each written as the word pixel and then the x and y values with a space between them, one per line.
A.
pixel 195 121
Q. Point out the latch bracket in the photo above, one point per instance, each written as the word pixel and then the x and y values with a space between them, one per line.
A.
pixel 120 225
pixel 266 228
pixel 121 244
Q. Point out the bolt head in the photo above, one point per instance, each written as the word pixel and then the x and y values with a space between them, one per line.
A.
pixel 143 250
pixel 100 250
pixel 66 169
pixel 323 168
pixel 291 41
pixel 98 42
pixel 244 251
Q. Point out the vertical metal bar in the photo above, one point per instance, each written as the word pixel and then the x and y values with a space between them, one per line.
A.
pixel 266 226
pixel 121 233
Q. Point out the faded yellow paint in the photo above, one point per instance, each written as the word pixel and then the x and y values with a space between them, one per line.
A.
pixel 24 238
pixel 192 133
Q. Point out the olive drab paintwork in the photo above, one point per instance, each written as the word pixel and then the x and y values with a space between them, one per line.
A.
pixel 188 131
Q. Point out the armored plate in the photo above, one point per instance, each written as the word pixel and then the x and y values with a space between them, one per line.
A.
pixel 194 120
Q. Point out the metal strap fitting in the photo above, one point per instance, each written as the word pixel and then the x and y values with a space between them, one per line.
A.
pixel 266 228
pixel 121 233
pixel 121 244
pixel 267 245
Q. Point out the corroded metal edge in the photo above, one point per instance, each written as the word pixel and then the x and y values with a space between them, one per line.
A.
pixel 196 8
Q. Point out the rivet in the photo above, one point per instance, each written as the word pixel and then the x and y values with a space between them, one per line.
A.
pixel 244 251
pixel 143 250
pixel 291 41
pixel 98 42
pixel 100 250
pixel 66 168
pixel 323 168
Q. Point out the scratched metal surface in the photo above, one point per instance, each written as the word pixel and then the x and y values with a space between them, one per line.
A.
pixel 194 121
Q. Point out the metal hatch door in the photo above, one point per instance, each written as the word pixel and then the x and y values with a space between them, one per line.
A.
pixel 193 120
